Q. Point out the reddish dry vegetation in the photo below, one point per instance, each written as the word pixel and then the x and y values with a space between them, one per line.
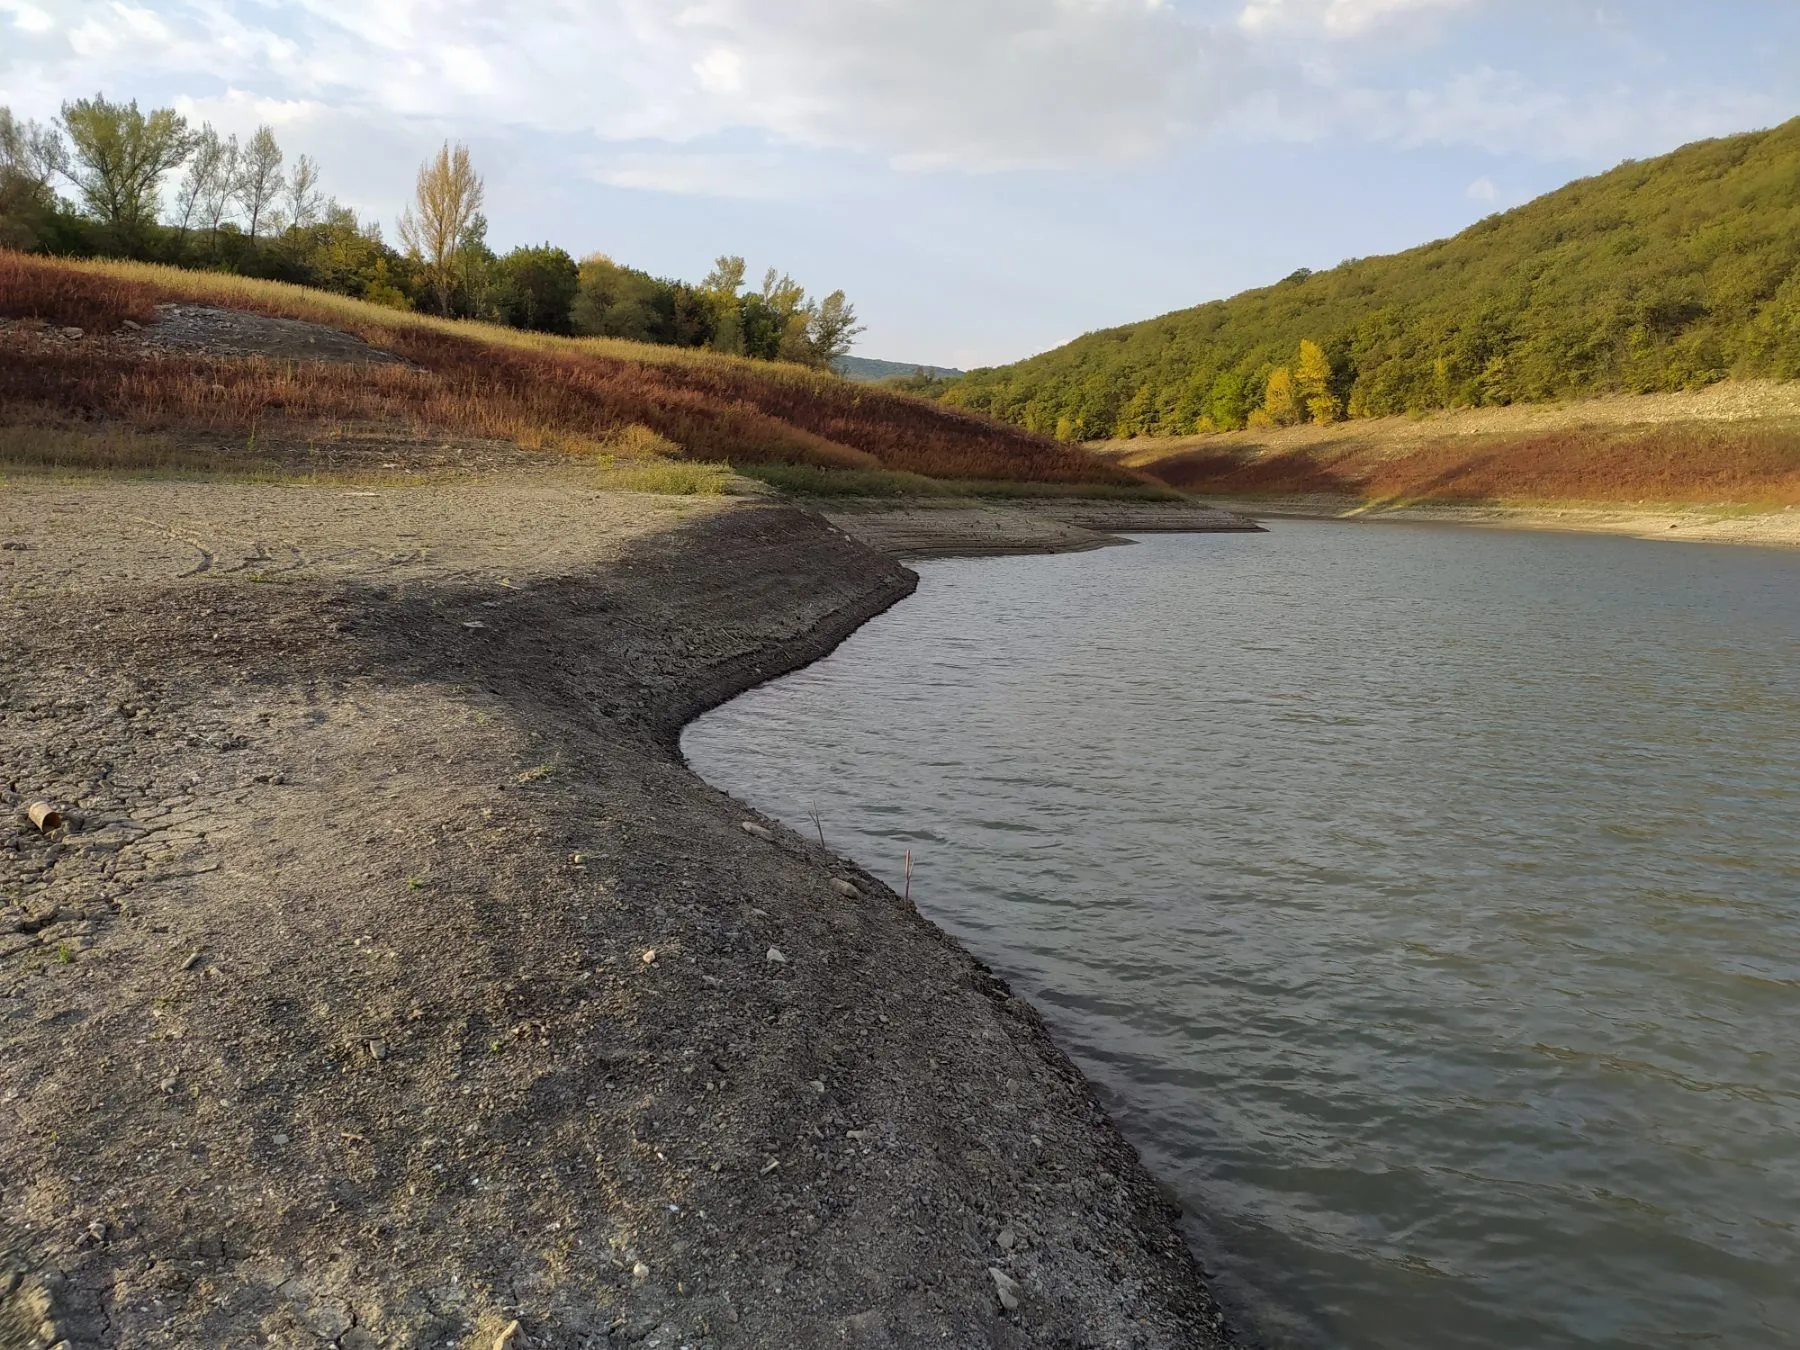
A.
pixel 1693 462
pixel 479 383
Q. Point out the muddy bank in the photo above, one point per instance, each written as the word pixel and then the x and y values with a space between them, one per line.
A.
pixel 395 983
pixel 1694 524
pixel 923 528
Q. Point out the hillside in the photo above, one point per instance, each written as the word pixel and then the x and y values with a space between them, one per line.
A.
pixel 1662 275
pixel 563 395
pixel 868 370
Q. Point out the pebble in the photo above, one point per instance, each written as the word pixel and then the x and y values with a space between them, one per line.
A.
pixel 776 956
pixel 279 1140
pixel 639 1273
pixel 818 1086
pixel 378 1050
pixel 649 957
pixel 130 325
pixel 756 831
pixel 193 960
pixel 843 887
pixel 72 332
pixel 1006 1287
pixel 1007 1239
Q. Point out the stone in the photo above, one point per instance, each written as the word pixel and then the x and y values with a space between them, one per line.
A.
pixel 755 831
pixel 72 332
pixel 1007 1239
pixel 131 325
pixel 1006 1288
pixel 378 1050
pixel 639 1272
pixel 775 957
pixel 843 887
pixel 505 1340
pixel 279 1140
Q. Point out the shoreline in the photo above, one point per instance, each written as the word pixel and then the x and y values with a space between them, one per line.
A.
pixel 1690 524
pixel 915 529
pixel 396 979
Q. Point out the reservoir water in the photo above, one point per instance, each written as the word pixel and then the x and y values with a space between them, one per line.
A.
pixel 1424 901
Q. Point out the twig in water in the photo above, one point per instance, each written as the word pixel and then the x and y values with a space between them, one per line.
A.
pixel 818 825
pixel 908 896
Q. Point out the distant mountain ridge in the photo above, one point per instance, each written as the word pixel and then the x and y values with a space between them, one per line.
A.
pixel 867 370
pixel 1667 274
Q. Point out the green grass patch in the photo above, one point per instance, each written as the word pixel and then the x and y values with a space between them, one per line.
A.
pixel 671 478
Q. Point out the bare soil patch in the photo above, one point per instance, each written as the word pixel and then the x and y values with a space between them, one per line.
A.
pixel 394 983
pixel 234 332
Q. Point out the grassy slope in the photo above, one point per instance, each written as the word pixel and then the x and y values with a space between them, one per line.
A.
pixel 1736 443
pixel 1667 274
pixel 540 391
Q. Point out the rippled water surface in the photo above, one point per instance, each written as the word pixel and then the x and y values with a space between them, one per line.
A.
pixel 1425 901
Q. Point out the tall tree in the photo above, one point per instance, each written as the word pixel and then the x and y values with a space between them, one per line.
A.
pixel 720 287
pixel 304 200
pixel 260 182
pixel 30 156
pixel 219 187
pixel 1312 378
pixel 120 157
pixel 831 330
pixel 447 202
pixel 202 171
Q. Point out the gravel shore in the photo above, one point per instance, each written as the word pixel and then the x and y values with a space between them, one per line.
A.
pixel 393 983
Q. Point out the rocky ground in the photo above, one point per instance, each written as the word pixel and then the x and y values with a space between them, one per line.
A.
pixel 392 983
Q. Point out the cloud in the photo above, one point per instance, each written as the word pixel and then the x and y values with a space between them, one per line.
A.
pixel 1503 112
pixel 1482 190
pixel 925 84
pixel 1335 18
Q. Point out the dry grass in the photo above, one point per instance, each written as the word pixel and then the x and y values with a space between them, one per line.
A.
pixel 538 391
pixel 1755 463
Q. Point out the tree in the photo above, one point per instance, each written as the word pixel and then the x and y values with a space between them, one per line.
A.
pixel 832 329
pixel 201 178
pixel 721 286
pixel 1281 400
pixel 119 159
pixel 303 194
pixel 219 188
pixel 538 287
pixel 259 180
pixel 447 199
pixel 30 155
pixel 1312 380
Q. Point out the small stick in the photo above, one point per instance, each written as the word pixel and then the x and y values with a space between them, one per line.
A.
pixel 908 896
pixel 818 825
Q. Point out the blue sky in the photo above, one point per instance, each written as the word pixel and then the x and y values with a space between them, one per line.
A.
pixel 986 178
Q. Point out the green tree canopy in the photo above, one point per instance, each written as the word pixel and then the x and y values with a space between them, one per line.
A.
pixel 119 158
pixel 1667 274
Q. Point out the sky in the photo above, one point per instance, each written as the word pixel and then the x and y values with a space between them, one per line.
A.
pixel 985 178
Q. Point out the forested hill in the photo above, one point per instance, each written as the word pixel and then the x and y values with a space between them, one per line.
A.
pixel 1663 274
